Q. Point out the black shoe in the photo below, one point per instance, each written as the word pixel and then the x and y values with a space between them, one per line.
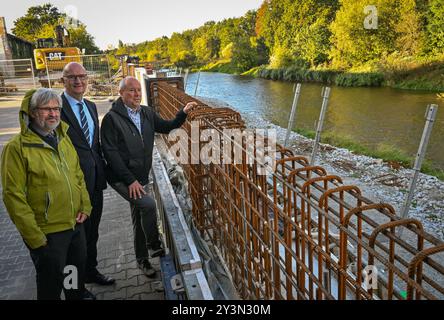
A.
pixel 88 295
pixel 147 268
pixel 100 279
pixel 157 251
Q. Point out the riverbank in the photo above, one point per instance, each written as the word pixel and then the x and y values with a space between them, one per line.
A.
pixel 424 75
pixel 378 180
pixel 388 153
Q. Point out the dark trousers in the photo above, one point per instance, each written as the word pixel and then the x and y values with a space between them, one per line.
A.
pixel 144 218
pixel 92 231
pixel 64 248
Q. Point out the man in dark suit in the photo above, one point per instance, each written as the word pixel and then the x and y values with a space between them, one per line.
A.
pixel 83 120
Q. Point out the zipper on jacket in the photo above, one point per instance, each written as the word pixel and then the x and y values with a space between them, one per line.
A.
pixel 56 162
pixel 66 178
pixel 69 185
pixel 48 203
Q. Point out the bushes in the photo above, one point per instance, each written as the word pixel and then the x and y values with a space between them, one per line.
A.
pixel 369 79
pixel 294 74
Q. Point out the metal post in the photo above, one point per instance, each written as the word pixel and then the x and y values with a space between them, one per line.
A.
pixel 197 84
pixel 185 80
pixel 430 118
pixel 47 72
pixel 293 112
pixel 244 235
pixel 326 96
pixel 109 75
pixel 32 71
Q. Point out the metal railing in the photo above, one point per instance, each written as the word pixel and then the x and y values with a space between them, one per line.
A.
pixel 16 76
pixel 100 82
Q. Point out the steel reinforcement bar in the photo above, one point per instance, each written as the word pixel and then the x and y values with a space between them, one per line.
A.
pixel 297 232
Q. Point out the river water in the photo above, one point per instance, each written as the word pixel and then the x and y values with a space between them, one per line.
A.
pixel 369 116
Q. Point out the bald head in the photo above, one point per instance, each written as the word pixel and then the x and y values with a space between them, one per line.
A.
pixel 131 92
pixel 73 67
pixel 75 80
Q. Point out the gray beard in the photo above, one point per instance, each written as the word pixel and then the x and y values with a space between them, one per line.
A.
pixel 43 126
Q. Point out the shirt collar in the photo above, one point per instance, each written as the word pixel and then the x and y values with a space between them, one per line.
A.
pixel 72 101
pixel 132 111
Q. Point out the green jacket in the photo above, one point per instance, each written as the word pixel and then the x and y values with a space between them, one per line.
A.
pixel 43 189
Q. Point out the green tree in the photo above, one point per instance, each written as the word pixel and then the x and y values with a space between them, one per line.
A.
pixel 41 21
pixel 353 44
pixel 80 38
pixel 205 42
pixel 435 27
pixel 296 29
pixel 178 47
pixel 30 25
pixel 244 57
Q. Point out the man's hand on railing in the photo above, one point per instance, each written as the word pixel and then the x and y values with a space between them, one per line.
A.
pixel 190 106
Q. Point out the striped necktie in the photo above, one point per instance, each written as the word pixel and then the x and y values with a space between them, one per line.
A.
pixel 84 123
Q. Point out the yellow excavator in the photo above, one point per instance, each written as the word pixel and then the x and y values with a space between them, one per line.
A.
pixel 53 54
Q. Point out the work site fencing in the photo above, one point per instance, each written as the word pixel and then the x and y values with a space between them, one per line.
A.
pixel 299 232
pixel 100 81
pixel 16 76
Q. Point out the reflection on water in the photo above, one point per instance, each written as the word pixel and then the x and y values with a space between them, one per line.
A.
pixel 371 116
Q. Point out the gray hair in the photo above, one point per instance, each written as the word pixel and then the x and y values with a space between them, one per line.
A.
pixel 43 96
pixel 122 83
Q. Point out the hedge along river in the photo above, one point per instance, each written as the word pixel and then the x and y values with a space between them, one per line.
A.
pixel 370 117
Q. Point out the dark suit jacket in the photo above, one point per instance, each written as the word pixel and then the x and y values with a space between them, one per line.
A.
pixel 91 158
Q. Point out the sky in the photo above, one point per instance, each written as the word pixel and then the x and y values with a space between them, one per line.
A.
pixel 134 21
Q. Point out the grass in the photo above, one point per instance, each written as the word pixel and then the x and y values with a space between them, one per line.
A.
pixel 415 74
pixel 394 71
pixel 311 134
pixel 252 72
pixel 339 78
pixel 383 151
pixel 361 79
pixel 223 66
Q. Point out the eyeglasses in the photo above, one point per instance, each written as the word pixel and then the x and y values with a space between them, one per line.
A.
pixel 81 77
pixel 48 109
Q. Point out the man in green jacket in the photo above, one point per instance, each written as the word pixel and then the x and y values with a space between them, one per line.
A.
pixel 45 195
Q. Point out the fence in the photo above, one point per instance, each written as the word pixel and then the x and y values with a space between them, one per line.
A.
pixel 298 232
pixel 100 82
pixel 16 76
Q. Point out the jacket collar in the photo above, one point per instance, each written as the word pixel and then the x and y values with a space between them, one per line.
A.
pixel 119 107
